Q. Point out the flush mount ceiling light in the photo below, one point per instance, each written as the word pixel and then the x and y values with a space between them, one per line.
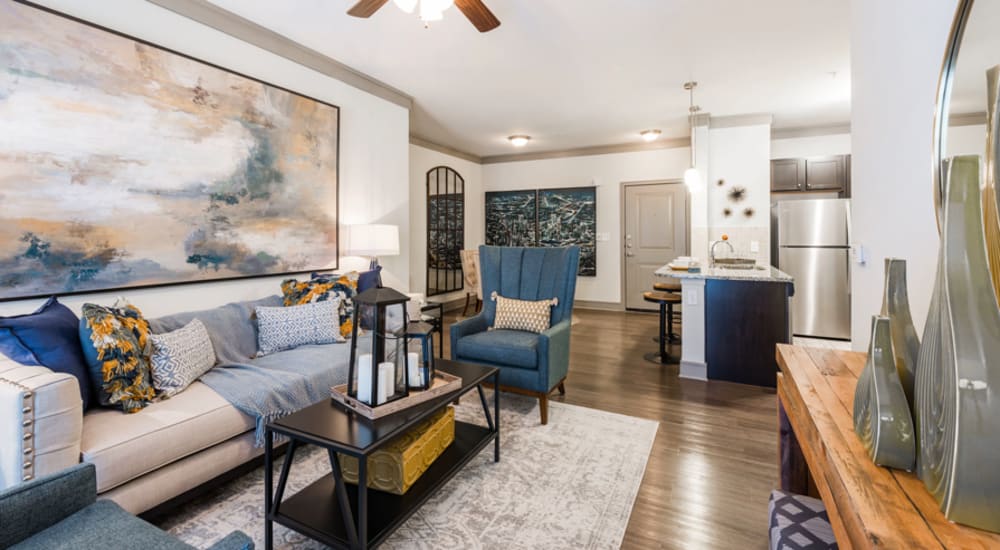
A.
pixel 519 141
pixel 650 135
pixel 691 176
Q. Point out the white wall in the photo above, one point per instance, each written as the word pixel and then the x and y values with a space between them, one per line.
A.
pixel 811 146
pixel 894 72
pixel 966 140
pixel 740 156
pixel 607 172
pixel 374 148
pixel 422 160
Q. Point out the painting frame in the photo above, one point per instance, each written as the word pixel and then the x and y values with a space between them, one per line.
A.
pixel 495 210
pixel 333 180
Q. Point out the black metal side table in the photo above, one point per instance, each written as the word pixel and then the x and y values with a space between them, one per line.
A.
pixel 350 516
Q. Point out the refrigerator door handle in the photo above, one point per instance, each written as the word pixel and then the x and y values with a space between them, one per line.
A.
pixel 848 261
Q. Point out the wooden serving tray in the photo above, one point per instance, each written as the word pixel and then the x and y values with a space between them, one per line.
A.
pixel 444 384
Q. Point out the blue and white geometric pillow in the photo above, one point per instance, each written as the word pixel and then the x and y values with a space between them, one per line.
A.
pixel 281 328
pixel 181 357
pixel 798 522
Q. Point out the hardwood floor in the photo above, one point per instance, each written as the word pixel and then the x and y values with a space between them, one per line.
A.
pixel 714 460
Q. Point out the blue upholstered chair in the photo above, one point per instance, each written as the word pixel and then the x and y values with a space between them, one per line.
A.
pixel 531 364
pixel 61 511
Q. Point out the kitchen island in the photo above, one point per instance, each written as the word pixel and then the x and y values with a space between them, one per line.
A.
pixel 732 320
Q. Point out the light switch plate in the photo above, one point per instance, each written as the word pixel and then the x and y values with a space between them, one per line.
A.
pixel 692 297
pixel 754 246
pixel 603 237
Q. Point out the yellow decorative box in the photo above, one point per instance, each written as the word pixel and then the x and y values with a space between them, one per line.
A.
pixel 399 464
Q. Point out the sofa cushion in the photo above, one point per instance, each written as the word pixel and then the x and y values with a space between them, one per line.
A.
pixel 103 525
pixel 124 447
pixel 323 287
pixel 180 357
pixel 526 315
pixel 50 338
pixel 513 348
pixel 283 328
pixel 115 342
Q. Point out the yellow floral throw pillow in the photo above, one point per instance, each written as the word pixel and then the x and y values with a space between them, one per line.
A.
pixel 117 348
pixel 529 316
pixel 325 287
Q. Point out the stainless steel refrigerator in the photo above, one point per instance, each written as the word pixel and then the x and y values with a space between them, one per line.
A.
pixel 813 245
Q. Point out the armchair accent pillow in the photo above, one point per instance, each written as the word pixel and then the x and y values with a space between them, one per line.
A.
pixel 181 357
pixel 115 342
pixel 322 288
pixel 529 316
pixel 282 328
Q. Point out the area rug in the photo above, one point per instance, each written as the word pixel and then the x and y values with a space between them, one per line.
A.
pixel 570 484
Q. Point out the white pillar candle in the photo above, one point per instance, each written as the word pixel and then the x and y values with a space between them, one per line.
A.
pixel 364 367
pixel 386 381
pixel 413 369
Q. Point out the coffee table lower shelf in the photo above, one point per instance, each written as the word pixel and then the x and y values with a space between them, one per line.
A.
pixel 315 510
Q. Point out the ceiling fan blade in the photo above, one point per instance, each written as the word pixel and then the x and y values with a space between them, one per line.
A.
pixel 479 14
pixel 365 8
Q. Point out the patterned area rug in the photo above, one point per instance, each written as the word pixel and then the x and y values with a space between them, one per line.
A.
pixel 570 484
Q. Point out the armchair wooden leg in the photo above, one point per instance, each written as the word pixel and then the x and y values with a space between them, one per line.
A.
pixel 466 308
pixel 562 388
pixel 543 406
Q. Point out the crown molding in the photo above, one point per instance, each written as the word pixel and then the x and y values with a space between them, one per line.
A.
pixel 227 22
pixel 810 131
pixel 966 119
pixel 428 144
pixel 734 121
pixel 668 143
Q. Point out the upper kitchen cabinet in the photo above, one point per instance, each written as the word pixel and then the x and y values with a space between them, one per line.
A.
pixel 829 173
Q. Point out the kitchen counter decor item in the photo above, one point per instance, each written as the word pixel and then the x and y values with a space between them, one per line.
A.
pixel 905 342
pixel 958 371
pixel 881 412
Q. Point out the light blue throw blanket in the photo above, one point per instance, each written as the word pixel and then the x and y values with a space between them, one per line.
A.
pixel 268 387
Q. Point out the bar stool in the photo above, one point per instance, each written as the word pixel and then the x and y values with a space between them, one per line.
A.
pixel 675 316
pixel 666 301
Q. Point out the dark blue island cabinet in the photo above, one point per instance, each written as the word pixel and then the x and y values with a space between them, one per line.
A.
pixel 744 321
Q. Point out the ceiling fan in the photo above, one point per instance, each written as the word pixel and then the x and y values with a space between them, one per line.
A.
pixel 430 10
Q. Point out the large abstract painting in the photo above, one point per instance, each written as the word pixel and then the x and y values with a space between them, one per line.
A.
pixel 547 218
pixel 123 165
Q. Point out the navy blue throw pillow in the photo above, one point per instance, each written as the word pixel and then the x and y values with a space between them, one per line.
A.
pixel 369 279
pixel 49 337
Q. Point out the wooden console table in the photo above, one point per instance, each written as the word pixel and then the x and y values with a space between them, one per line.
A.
pixel 869 506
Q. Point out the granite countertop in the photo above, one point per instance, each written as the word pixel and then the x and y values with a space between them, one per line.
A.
pixel 767 274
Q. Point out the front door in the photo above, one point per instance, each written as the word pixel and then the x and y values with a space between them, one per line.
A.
pixel 655 231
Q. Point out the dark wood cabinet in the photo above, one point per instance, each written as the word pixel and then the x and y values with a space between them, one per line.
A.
pixel 829 173
pixel 788 174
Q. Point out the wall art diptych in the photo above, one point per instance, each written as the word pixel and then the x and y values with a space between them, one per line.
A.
pixel 546 218
pixel 123 164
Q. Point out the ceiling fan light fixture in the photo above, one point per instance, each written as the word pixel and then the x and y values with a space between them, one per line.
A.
pixel 406 5
pixel 650 135
pixel 519 140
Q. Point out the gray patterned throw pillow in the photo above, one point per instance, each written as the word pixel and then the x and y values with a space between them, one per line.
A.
pixel 181 357
pixel 282 328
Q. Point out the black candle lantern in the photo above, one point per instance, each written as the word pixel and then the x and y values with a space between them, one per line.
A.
pixel 378 371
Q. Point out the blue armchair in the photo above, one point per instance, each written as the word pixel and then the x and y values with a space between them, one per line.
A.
pixel 61 511
pixel 531 364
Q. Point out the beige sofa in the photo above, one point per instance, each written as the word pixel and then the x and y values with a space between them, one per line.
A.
pixel 142 459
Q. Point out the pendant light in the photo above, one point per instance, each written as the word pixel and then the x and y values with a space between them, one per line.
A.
pixel 691 177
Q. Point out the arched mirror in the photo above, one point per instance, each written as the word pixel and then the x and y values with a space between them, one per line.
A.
pixel 445 230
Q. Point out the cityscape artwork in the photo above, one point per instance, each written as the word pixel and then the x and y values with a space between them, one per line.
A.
pixel 546 218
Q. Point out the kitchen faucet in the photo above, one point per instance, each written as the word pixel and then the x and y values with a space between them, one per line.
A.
pixel 725 239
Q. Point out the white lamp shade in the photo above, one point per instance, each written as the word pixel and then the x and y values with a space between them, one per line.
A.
pixel 372 240
pixel 406 5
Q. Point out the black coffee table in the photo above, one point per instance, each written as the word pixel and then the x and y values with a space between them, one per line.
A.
pixel 350 516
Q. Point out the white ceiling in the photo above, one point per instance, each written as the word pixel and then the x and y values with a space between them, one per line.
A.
pixel 576 73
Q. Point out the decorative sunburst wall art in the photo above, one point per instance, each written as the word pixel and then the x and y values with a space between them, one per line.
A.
pixel 727 211
pixel 737 194
pixel 749 212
